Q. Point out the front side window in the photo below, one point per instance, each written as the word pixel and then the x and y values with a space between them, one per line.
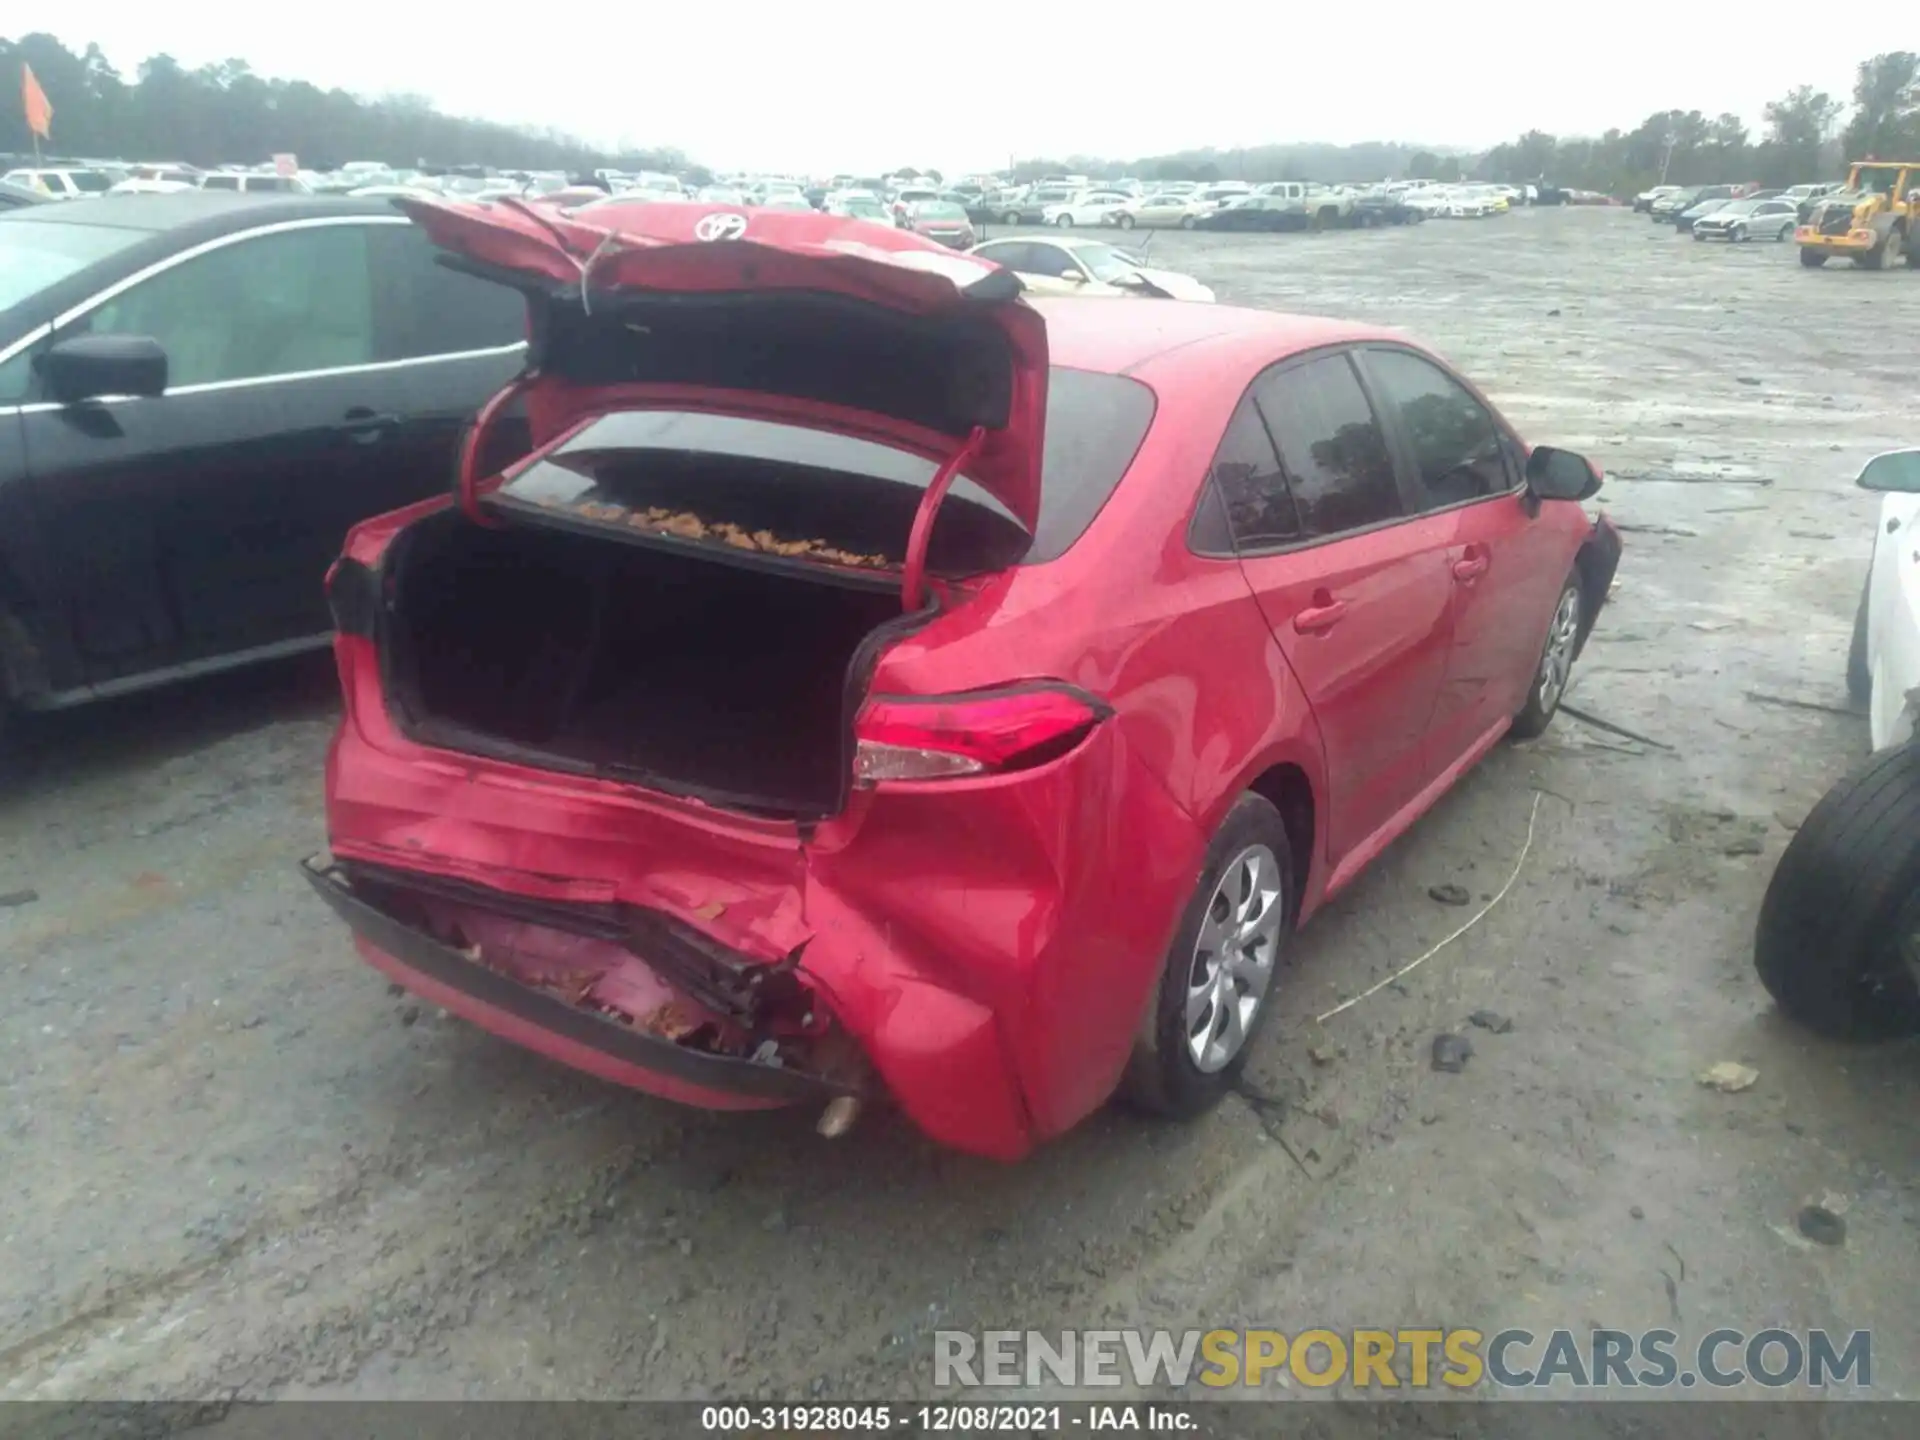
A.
pixel 1337 463
pixel 1455 441
pixel 268 305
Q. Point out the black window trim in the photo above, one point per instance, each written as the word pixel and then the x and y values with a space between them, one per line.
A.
pixel 1406 460
pixel 1408 500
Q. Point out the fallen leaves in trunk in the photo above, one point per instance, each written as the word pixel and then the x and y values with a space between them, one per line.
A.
pixel 669 1022
pixel 685 525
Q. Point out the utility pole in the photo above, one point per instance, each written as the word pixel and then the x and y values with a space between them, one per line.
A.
pixel 1666 157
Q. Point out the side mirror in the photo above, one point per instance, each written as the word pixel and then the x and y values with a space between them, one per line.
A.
pixel 93 367
pixel 1897 470
pixel 1561 475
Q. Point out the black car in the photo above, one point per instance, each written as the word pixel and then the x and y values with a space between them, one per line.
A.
pixel 1257 212
pixel 199 395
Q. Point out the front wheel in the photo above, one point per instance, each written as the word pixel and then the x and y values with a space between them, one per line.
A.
pixel 1125 222
pixel 1838 942
pixel 1740 236
pixel 1216 982
pixel 1064 221
pixel 1187 222
pixel 1011 217
pixel 1556 663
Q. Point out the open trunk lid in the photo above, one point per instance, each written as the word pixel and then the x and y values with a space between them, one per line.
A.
pixel 857 325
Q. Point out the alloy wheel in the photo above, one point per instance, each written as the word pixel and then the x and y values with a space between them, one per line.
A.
pixel 1233 958
pixel 1556 664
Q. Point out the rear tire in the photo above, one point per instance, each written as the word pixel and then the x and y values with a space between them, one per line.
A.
pixel 1859 677
pixel 1830 946
pixel 1164 1075
pixel 1813 259
pixel 1011 217
pixel 1125 222
pixel 1555 670
pixel 1064 222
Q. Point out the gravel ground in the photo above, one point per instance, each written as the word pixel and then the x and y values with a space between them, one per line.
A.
pixel 235 1163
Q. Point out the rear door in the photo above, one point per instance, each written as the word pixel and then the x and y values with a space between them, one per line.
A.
pixel 199 524
pixel 1352 584
pixel 1504 565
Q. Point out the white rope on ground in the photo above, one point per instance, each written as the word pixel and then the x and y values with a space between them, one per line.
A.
pixel 1406 970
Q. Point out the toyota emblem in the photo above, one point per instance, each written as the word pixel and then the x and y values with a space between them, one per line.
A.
pixel 721 226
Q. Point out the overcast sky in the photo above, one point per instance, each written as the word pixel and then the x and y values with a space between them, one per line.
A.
pixel 860 85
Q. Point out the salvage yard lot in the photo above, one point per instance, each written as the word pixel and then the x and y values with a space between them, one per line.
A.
pixel 237 1162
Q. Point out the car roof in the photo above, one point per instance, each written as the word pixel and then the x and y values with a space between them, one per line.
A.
pixel 1126 336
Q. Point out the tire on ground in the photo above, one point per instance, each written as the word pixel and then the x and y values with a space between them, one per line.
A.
pixel 1161 1075
pixel 1827 946
pixel 1534 717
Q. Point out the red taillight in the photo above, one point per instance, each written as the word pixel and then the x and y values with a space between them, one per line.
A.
pixel 947 735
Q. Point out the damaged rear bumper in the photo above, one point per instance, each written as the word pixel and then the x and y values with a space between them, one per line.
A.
pixel 554 1025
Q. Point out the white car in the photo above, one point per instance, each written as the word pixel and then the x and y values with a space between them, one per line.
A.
pixel 1883 664
pixel 1838 939
pixel 1087 267
pixel 1166 211
pixel 156 185
pixel 64 183
pixel 254 183
pixel 1093 208
pixel 859 205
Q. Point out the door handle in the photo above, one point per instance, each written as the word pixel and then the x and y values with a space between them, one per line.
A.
pixel 1470 567
pixel 1316 619
pixel 364 426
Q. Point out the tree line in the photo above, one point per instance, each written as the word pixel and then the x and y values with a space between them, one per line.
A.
pixel 1801 142
pixel 224 113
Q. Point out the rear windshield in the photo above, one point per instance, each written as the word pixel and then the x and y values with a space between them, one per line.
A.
pixel 1095 424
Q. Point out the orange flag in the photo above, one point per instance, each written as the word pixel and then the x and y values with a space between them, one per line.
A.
pixel 39 108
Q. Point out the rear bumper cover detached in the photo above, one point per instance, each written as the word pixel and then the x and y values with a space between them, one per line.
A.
pixel 548 1023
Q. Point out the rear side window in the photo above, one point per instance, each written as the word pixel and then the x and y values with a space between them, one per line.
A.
pixel 1455 441
pixel 428 309
pixel 1335 457
pixel 1095 424
pixel 1246 474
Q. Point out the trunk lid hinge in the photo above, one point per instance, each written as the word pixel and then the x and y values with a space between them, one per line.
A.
pixel 466 485
pixel 913 573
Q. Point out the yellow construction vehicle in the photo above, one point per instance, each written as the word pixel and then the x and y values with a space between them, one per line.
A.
pixel 1869 220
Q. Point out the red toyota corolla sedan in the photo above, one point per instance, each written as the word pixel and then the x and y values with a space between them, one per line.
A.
pixel 875 684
